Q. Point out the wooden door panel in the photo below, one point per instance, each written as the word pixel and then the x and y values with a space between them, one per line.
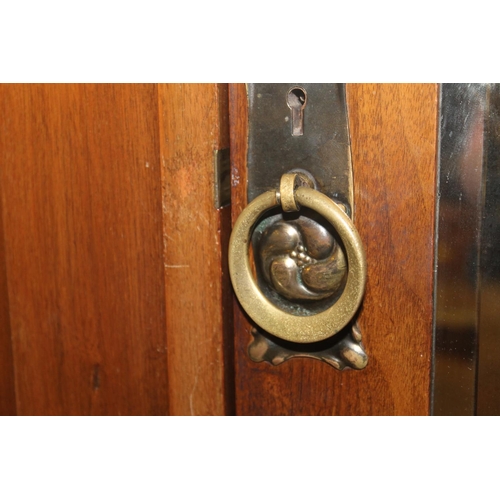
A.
pixel 82 214
pixel 393 140
pixel 114 251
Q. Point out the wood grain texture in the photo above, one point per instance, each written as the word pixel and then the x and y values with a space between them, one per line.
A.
pixel 7 383
pixel 193 124
pixel 81 192
pixel 393 135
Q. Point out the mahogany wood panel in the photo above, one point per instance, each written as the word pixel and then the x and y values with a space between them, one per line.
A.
pixel 193 124
pixel 7 386
pixel 81 191
pixel 394 139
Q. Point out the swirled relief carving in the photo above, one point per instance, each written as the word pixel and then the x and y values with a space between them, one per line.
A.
pixel 301 260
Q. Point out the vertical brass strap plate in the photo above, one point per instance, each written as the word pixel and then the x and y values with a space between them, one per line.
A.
pixel 301 127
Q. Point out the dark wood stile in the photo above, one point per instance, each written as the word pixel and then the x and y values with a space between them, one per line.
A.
pixel 193 124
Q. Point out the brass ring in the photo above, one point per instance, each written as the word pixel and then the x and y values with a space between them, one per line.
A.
pixel 302 329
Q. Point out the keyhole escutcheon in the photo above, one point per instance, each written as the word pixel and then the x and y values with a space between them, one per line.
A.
pixel 297 100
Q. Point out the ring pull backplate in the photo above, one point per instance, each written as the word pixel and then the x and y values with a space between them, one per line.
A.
pixel 305 282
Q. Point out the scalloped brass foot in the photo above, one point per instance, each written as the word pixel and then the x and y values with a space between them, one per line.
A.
pixel 345 350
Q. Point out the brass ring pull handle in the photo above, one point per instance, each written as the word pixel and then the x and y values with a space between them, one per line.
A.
pixel 301 329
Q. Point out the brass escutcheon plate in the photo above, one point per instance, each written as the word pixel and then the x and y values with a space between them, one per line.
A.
pixel 305 281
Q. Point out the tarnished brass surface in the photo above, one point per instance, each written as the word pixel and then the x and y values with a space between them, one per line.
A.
pixel 286 325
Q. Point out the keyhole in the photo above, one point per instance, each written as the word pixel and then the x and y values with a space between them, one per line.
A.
pixel 296 97
pixel 297 100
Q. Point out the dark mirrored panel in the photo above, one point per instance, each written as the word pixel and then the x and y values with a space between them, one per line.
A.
pixel 488 376
pixel 463 113
pixel 466 377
